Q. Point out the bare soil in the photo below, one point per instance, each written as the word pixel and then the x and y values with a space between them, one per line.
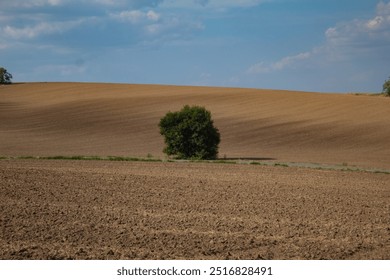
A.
pixel 46 119
pixel 132 210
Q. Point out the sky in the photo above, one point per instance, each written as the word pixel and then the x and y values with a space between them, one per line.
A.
pixel 310 45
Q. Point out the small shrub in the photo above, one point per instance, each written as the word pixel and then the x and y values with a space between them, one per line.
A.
pixel 281 164
pixel 149 156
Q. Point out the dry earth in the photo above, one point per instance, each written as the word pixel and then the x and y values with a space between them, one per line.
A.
pixel 121 120
pixel 133 210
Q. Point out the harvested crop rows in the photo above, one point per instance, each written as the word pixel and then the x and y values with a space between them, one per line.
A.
pixel 60 209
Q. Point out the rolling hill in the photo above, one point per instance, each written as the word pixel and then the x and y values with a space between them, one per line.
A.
pixel 43 119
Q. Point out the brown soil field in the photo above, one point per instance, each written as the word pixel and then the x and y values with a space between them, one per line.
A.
pixel 121 120
pixel 77 209
pixel 135 210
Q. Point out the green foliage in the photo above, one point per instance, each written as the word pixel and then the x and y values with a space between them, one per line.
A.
pixel 190 133
pixel 386 87
pixel 5 77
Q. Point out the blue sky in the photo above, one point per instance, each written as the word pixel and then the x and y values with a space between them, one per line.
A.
pixel 311 45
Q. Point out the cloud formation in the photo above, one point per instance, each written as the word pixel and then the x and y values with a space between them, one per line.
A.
pixel 217 4
pixel 31 3
pixel 136 16
pixel 112 3
pixel 199 41
pixel 345 40
pixel 282 64
pixel 359 33
pixel 134 21
pixel 43 28
pixel 31 19
pixel 125 3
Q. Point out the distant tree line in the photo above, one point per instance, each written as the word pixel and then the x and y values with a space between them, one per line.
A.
pixel 5 76
pixel 386 87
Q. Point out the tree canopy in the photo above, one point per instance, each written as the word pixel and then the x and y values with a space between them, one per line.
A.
pixel 386 87
pixel 190 133
pixel 5 76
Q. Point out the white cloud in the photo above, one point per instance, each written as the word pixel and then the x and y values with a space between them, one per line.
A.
pixel 383 8
pixel 151 15
pixel 217 4
pixel 108 3
pixel 54 2
pixel 360 33
pixel 234 3
pixel 132 16
pixel 375 23
pixel 43 28
pixel 26 32
pixel 350 40
pixel 288 61
pixel 136 16
pixel 125 3
pixel 172 28
pixel 151 23
pixel 31 3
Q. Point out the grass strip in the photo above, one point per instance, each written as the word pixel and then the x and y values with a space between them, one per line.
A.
pixel 108 158
pixel 217 161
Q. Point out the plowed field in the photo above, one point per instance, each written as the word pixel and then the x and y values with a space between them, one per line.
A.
pixel 46 119
pixel 132 210
pixel 136 210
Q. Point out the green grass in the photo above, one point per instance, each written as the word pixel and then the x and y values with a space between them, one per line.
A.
pixel 116 158
pixel 223 161
pixel 73 158
pixel 281 164
pixel 369 94
pixel 261 163
pixel 381 172
pixel 149 158
pixel 26 157
pixel 108 158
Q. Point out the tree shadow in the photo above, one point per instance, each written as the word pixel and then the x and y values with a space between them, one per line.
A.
pixel 246 158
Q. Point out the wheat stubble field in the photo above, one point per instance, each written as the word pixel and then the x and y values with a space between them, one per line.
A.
pixel 77 209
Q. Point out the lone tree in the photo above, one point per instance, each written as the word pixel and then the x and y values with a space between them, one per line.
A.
pixel 190 133
pixel 5 77
pixel 386 87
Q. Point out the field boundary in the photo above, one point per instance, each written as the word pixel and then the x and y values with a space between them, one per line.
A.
pixel 315 166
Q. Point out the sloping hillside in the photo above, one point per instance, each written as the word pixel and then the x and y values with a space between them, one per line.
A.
pixel 119 119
